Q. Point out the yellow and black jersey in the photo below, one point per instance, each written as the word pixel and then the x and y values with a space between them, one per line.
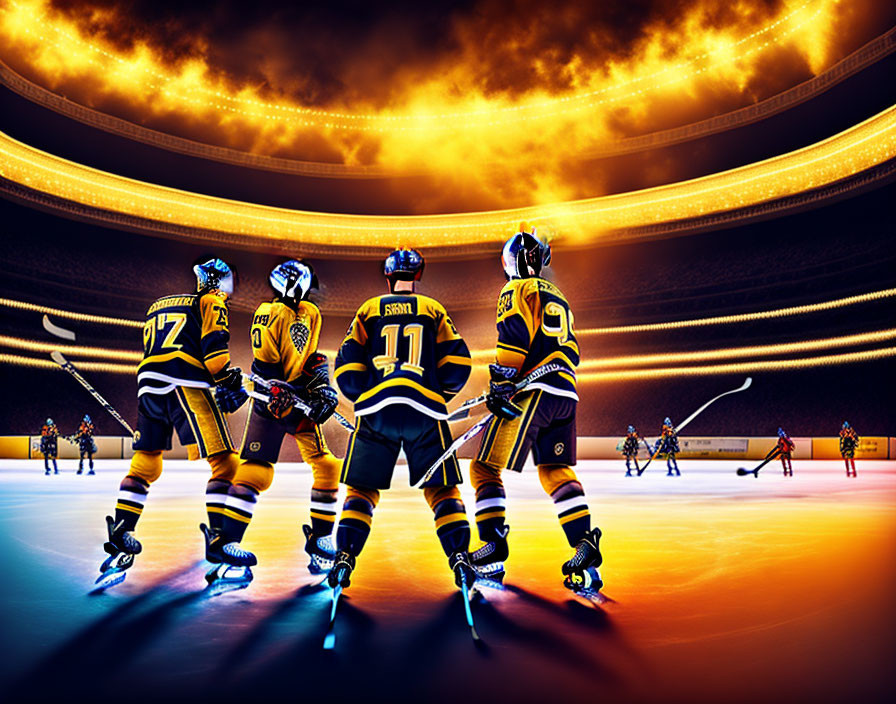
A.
pixel 283 338
pixel 535 326
pixel 185 341
pixel 402 348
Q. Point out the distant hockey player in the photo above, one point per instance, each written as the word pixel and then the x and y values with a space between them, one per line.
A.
pixel 785 449
pixel 185 341
pixel 630 450
pixel 849 441
pixel 49 435
pixel 667 444
pixel 535 326
pixel 284 337
pixel 86 443
pixel 401 360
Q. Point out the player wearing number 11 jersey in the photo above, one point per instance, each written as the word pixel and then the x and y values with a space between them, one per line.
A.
pixel 401 360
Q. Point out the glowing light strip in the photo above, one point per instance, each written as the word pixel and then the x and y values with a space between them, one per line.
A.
pixel 670 75
pixel 58 312
pixel 744 317
pixel 857 149
pixel 774 365
pixel 69 350
pixel 742 352
pixel 19 361
pixel 605 376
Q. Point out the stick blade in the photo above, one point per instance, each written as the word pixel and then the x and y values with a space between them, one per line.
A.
pixel 53 329
pixel 747 383
pixel 742 471
pixel 58 357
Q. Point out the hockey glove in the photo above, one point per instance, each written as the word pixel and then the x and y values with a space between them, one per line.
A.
pixel 323 401
pixel 282 399
pixel 500 392
pixel 230 378
pixel 229 400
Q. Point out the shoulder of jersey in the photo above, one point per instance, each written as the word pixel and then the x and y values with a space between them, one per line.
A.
pixel 371 305
pixel 309 306
pixel 524 286
pixel 430 303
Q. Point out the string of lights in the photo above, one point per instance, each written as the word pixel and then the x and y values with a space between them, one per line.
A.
pixel 61 313
pixel 70 350
pixel 854 150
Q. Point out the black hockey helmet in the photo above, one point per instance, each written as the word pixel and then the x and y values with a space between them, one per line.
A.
pixel 524 255
pixel 293 280
pixel 404 265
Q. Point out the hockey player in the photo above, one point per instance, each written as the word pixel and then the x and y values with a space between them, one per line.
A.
pixel 401 360
pixel 49 435
pixel 785 449
pixel 86 443
pixel 667 444
pixel 284 336
pixel 185 346
pixel 535 326
pixel 630 450
pixel 849 441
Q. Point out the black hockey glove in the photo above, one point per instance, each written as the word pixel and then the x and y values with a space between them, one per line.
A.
pixel 229 400
pixel 323 401
pixel 230 378
pixel 282 399
pixel 500 392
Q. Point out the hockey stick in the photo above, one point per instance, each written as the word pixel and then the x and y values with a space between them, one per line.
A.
pixel 58 357
pixel 330 638
pixel 743 471
pixel 466 596
pixel 742 387
pixel 472 431
pixel 299 403
pixel 56 330
pixel 466 406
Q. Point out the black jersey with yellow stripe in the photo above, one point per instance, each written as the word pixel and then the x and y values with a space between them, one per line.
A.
pixel 535 327
pixel 402 348
pixel 185 340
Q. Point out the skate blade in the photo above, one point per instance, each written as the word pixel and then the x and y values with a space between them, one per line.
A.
pixel 120 562
pixel 483 585
pixel 320 565
pixel 109 578
pixel 227 578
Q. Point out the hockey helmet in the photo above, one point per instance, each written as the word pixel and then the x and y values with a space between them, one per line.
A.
pixel 631 429
pixel 214 273
pixel 49 422
pixel 294 279
pixel 524 255
pixel 667 421
pixel 845 425
pixel 404 265
pixel 86 418
pixel 781 432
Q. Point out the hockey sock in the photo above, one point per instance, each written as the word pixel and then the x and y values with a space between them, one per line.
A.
pixel 450 517
pixel 238 509
pixel 562 485
pixel 356 519
pixel 47 465
pixel 323 510
pixel 215 499
pixel 491 501
pixel 131 499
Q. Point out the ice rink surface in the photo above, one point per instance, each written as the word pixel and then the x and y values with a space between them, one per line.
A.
pixel 721 588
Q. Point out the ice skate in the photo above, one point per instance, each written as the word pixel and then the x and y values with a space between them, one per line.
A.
pixel 232 564
pixel 343 565
pixel 582 576
pixel 489 559
pixel 320 549
pixel 121 547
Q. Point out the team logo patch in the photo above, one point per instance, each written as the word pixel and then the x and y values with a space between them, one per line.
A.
pixel 255 446
pixel 505 302
pixel 299 333
pixel 558 448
